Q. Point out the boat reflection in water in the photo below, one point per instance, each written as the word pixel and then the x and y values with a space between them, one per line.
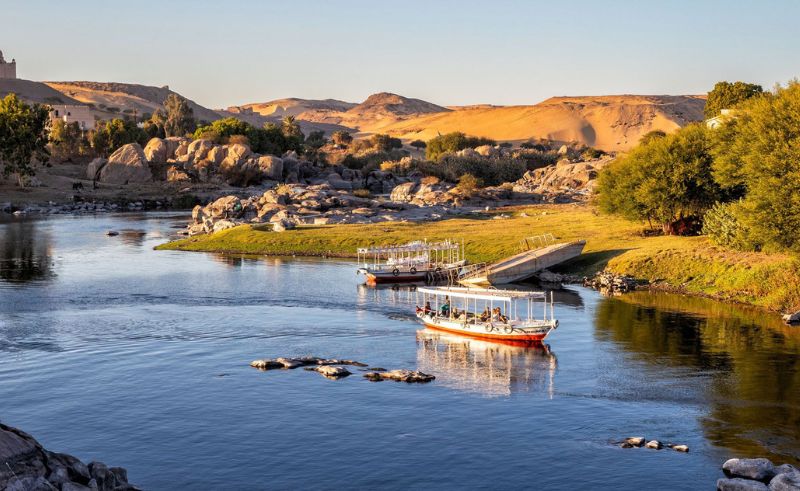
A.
pixel 492 368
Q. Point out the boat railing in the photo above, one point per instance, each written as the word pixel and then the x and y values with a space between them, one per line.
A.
pixel 537 242
pixel 474 270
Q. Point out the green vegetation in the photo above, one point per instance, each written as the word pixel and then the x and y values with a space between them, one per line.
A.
pixel 23 136
pixel 450 168
pixel 727 95
pixel 694 264
pixel 385 143
pixel 177 116
pixel 270 139
pixel 418 144
pixel 667 180
pixel 68 141
pixel 451 143
pixel 342 138
pixel 468 184
pixel 109 135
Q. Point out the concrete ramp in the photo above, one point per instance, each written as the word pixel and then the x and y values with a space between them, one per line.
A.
pixel 523 265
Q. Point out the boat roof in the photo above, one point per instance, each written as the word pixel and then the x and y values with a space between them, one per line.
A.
pixel 418 246
pixel 492 294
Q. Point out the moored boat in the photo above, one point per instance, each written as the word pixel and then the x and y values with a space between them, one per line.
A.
pixel 416 261
pixel 488 313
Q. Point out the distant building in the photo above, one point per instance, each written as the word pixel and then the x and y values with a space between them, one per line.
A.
pixel 73 114
pixel 7 69
pixel 717 121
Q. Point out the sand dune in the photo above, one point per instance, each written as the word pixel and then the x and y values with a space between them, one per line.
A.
pixel 34 92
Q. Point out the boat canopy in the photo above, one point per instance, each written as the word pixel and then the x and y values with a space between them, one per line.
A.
pixel 491 294
pixel 418 246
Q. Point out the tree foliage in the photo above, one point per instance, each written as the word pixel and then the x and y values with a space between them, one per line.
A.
pixel 342 138
pixel 726 95
pixel 385 143
pixel 177 116
pixel 668 180
pixel 453 142
pixel 109 135
pixel 418 144
pixel 267 140
pixel 23 136
pixel 757 158
pixel 67 141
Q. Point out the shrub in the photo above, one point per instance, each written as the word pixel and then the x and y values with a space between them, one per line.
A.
pixel 384 143
pixel 591 153
pixel 722 225
pixel 667 180
pixel 109 135
pixel 342 138
pixel 239 139
pixel 315 140
pixel 535 158
pixel 651 135
pixel 67 141
pixel 430 180
pixel 361 193
pixel 453 142
pixel 468 184
pixel 269 139
pixel 726 95
pixel 418 144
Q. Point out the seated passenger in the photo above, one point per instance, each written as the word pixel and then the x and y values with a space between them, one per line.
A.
pixel 485 315
pixel 427 310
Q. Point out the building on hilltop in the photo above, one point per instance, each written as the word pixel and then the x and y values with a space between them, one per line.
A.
pixel 73 114
pixel 7 69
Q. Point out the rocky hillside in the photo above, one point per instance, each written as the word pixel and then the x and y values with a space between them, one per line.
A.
pixel 31 91
pixel 385 104
pixel 293 106
pixel 139 98
pixel 610 123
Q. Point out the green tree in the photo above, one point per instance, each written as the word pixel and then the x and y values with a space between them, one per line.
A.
pixel 453 142
pixel 23 136
pixel 651 135
pixel 385 143
pixel 757 157
pixel 668 180
pixel 316 140
pixel 342 138
pixel 67 141
pixel 178 116
pixel 109 135
pixel 726 95
pixel 418 144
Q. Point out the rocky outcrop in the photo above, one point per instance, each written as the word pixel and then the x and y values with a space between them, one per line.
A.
pixel 27 466
pixel 94 168
pixel 408 376
pixel 758 474
pixel 563 182
pixel 792 318
pixel 156 150
pixel 127 165
pixel 610 283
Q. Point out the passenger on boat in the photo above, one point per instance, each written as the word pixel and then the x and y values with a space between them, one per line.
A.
pixel 427 310
pixel 455 312
pixel 485 315
pixel 496 315
pixel 463 316
pixel 445 309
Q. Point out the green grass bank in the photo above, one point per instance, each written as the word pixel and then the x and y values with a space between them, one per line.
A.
pixel 692 265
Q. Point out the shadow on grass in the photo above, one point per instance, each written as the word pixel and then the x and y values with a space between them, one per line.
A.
pixel 588 263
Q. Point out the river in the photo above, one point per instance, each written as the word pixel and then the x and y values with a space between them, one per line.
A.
pixel 112 351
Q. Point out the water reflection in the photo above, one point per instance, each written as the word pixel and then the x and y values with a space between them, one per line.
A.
pixel 485 367
pixel 25 252
pixel 751 362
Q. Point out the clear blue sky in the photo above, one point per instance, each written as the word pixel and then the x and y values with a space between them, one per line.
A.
pixel 220 53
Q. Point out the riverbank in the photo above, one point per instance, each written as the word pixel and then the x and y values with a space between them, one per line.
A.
pixel 690 265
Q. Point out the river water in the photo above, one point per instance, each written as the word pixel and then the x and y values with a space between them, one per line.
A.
pixel 112 351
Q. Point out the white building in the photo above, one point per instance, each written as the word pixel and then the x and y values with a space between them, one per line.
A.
pixel 717 121
pixel 73 114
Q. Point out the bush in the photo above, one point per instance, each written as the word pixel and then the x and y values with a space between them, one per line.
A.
pixel 342 138
pixel 385 143
pixel 726 95
pixel 430 180
pixel 241 139
pixel 591 153
pixel 267 140
pixel 668 180
pixel 468 184
pixel 418 144
pixel 361 193
pixel 109 135
pixel 651 135
pixel 536 159
pixel 722 225
pixel 453 142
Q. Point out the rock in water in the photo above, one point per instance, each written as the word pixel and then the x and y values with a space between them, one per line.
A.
pixel 331 371
pixel 680 448
pixel 636 441
pixel 787 481
pixel 127 165
pixel 654 444
pixel 265 364
pixel 407 376
pixel 738 484
pixel 758 469
pixel 792 318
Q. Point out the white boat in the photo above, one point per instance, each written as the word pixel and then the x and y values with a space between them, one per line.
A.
pixel 415 261
pixel 488 313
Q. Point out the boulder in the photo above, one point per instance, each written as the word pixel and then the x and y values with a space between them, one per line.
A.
pixel 792 318
pixel 217 154
pixel 738 484
pixel 198 149
pixel 176 146
pixel 654 444
pixel 563 150
pixel 94 168
pixel 182 148
pixel 174 174
pixel 336 182
pixel 156 150
pixel 487 151
pixel 636 441
pixel 757 469
pixel 332 371
pixel 786 481
pixel 126 166
pixel 282 225
pixel 403 192
pixel 271 167
pixel 223 224
pixel 407 376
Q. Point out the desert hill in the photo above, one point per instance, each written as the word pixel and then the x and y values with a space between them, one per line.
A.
pixel 125 97
pixel 293 106
pixel 31 91
pixel 606 122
